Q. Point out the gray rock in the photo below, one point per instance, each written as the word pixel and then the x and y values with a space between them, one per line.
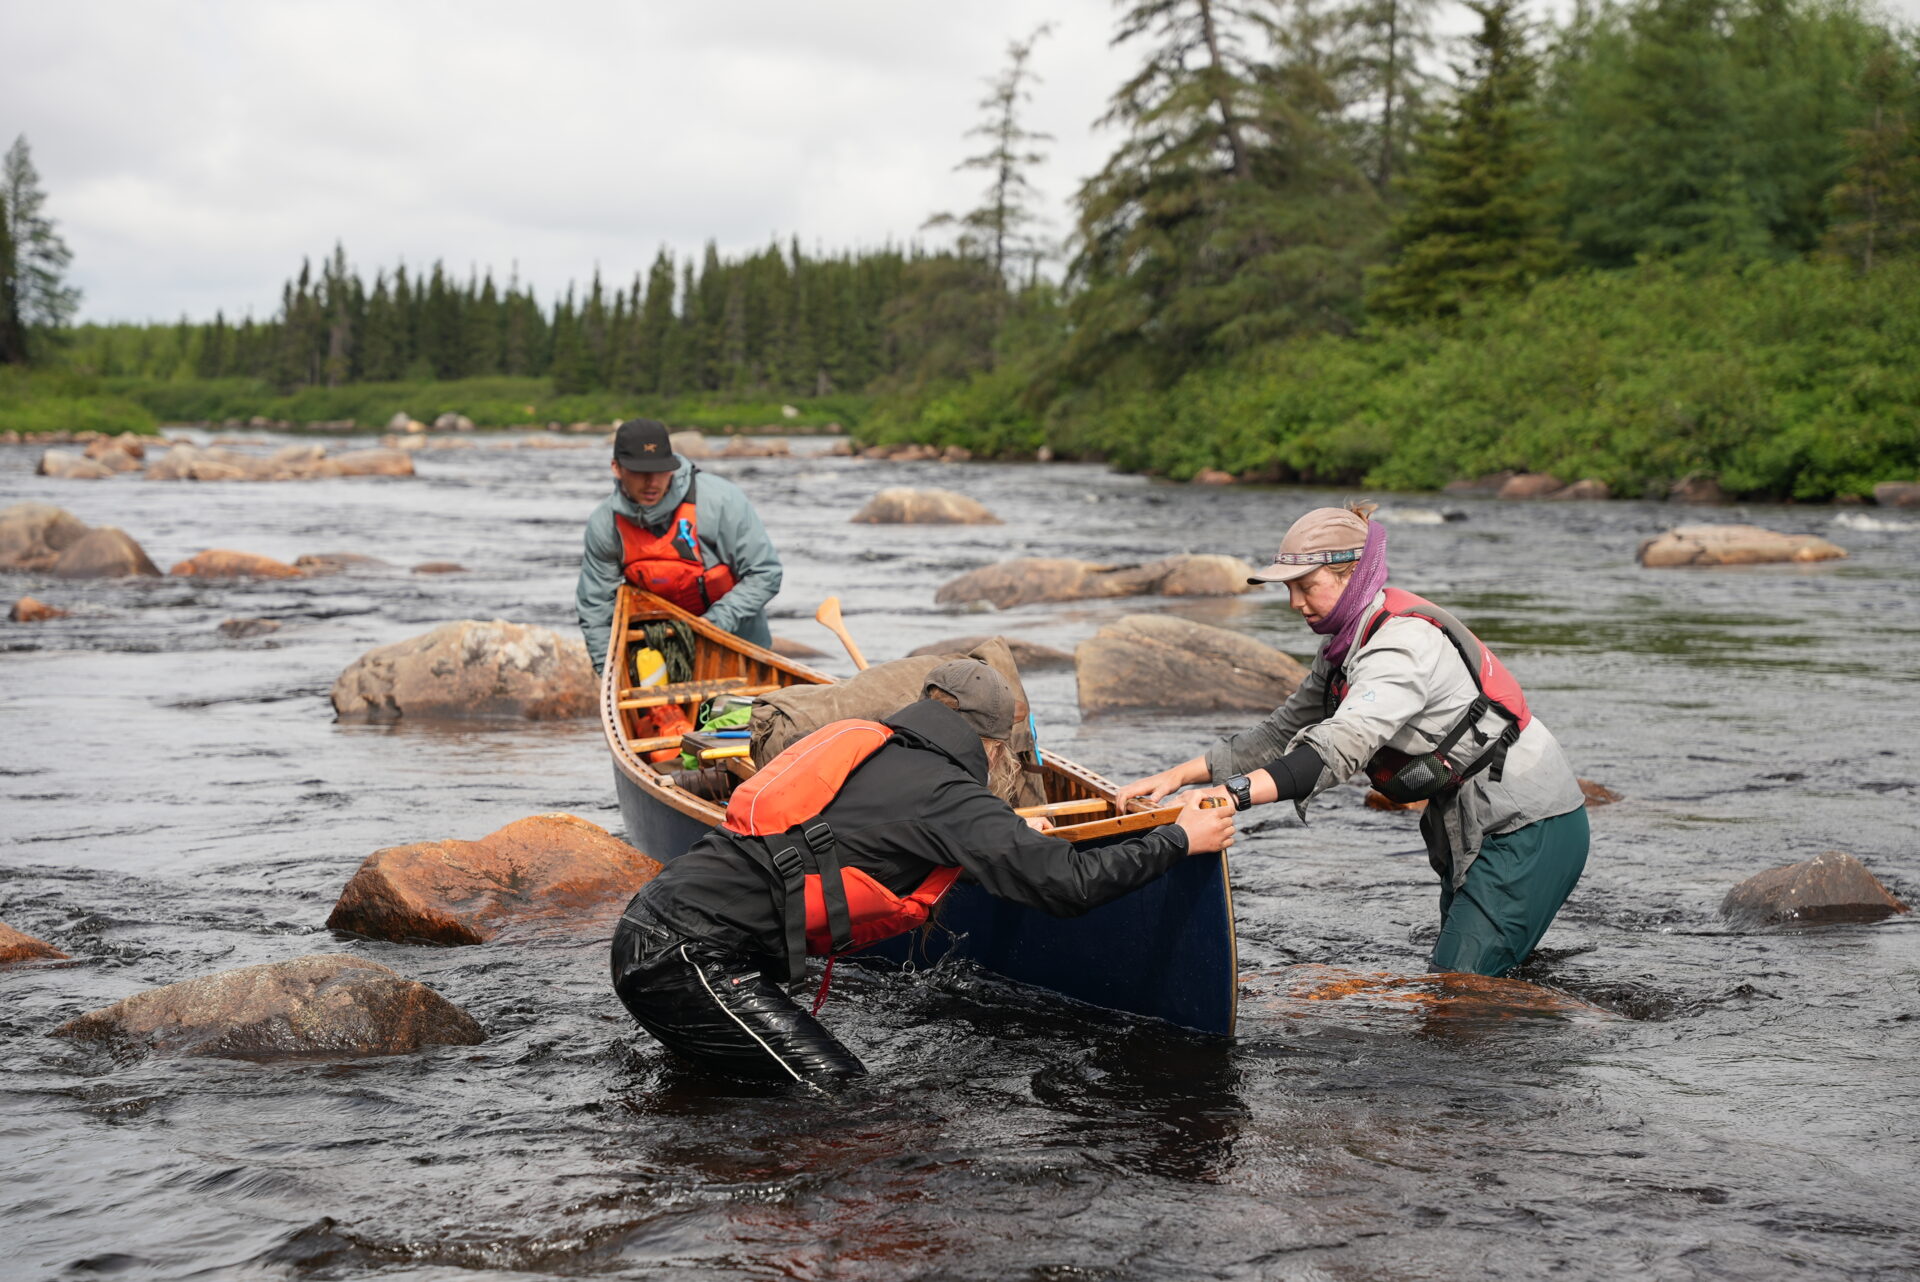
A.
pixel 923 507
pixel 1025 580
pixel 105 552
pixel 240 629
pixel 470 669
pixel 1732 545
pixel 71 467
pixel 33 535
pixel 328 1004
pixel 1156 661
pixel 1897 494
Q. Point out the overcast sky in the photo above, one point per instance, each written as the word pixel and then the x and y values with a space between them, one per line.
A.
pixel 194 150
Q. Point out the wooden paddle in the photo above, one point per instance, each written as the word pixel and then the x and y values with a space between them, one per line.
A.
pixel 829 615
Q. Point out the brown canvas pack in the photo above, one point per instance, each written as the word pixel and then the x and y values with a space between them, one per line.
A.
pixel 791 713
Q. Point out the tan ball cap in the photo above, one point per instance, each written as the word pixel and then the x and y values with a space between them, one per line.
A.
pixel 1324 536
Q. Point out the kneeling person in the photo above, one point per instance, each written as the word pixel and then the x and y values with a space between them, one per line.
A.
pixel 906 812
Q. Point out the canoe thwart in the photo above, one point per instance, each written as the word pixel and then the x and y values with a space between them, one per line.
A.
pixel 1079 806
pixel 681 692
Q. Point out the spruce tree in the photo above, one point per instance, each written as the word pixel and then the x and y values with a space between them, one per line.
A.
pixel 13 337
pixel 34 286
pixel 1876 203
pixel 999 228
pixel 1477 220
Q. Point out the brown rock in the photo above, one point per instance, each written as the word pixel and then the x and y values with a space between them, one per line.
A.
pixel 470 669
pixel 374 463
pixel 240 629
pixel 1489 484
pixel 439 567
pixel 1530 485
pixel 743 447
pixel 33 535
pixel 71 467
pixel 1448 1001
pixel 1732 545
pixel 1587 489
pixel 223 563
pixel 956 454
pixel 1377 800
pixel 1598 794
pixel 1029 656
pixel 923 507
pixel 1897 494
pixel 16 946
pixel 1026 580
pixel 691 445
pixel 316 563
pixel 327 1004
pixel 788 648
pixel 549 867
pixel 1156 661
pixel 104 552
pixel 126 445
pixel 1695 487
pixel 1833 886
pixel 28 610
pixel 1212 476
pixel 186 462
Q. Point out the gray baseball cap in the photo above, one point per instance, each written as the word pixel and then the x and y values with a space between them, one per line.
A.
pixel 985 699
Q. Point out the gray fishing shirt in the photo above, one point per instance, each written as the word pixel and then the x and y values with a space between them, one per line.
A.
pixel 1407 688
pixel 730 535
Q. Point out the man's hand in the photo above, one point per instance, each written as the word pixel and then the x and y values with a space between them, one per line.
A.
pixel 1208 828
pixel 1155 787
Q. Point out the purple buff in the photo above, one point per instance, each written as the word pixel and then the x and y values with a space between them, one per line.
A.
pixel 1362 586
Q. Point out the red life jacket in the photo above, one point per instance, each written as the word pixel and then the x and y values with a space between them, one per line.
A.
pixel 1499 692
pixel 669 564
pixel 837 909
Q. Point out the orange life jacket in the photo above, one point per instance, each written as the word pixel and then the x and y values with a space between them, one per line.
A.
pixel 1499 692
pixel 669 564
pixel 774 816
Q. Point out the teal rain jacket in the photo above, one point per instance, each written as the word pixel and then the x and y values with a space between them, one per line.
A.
pixel 730 534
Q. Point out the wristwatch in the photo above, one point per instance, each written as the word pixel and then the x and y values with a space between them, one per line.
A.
pixel 1240 788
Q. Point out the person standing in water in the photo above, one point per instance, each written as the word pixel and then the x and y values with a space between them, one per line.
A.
pixel 1402 691
pixel 680 533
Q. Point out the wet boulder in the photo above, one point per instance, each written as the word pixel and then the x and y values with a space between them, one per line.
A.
pixel 1705 545
pixel 18 946
pixel 554 867
pixel 1530 485
pixel 1361 999
pixel 28 610
pixel 923 507
pixel 1589 489
pixel 326 1004
pixel 1028 579
pixel 71 467
pixel 33 535
pixel 470 669
pixel 1897 494
pixel 315 563
pixel 1029 656
pixel 1157 661
pixel 1833 886
pixel 104 552
pixel 224 563
pixel 788 648
pixel 373 463
pixel 241 629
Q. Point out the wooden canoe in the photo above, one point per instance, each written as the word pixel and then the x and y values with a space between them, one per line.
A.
pixel 1165 951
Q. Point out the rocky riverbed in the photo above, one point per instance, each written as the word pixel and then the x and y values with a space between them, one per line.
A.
pixel 1690 1097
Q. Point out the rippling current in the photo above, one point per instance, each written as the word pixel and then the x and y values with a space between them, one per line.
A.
pixel 173 804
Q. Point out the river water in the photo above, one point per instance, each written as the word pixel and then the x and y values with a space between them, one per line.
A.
pixel 173 804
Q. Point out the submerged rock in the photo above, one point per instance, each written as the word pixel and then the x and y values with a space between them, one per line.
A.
pixel 548 867
pixel 1156 661
pixel 240 629
pixel 18 946
pixel 33 535
pixel 1732 545
pixel 1833 886
pixel 1359 998
pixel 327 1004
pixel 470 669
pixel 334 562
pixel 439 567
pixel 1030 656
pixel 1027 580
pixel 224 563
pixel 923 507
pixel 28 610
pixel 104 552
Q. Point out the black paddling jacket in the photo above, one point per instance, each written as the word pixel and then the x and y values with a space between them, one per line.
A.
pixel 918 803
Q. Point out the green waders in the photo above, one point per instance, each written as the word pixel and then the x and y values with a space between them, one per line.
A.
pixel 1511 894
